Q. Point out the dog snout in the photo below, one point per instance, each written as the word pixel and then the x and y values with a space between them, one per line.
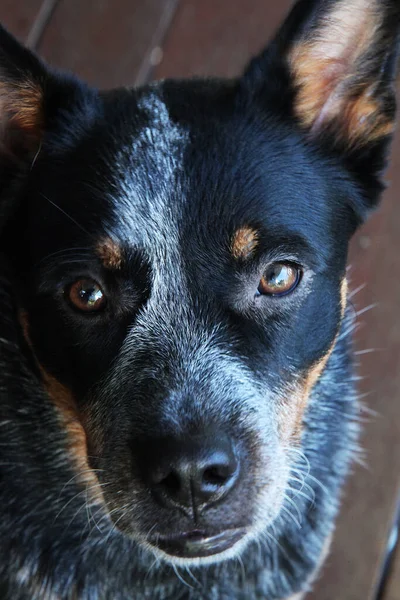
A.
pixel 192 474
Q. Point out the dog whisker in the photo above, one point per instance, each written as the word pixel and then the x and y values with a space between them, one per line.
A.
pixel 356 291
pixel 181 579
pixel 303 495
pixel 367 409
pixel 242 567
pixel 293 503
pixel 295 521
pixel 121 509
pixel 36 155
pixel 84 506
pixel 65 254
pixel 156 562
pixel 367 351
pixel 78 475
pixel 95 486
pixel 91 516
pixel 189 572
pixel 366 309
pixel 65 213
pixel 301 479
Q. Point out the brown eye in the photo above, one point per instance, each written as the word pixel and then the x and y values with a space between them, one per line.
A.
pixel 86 295
pixel 279 279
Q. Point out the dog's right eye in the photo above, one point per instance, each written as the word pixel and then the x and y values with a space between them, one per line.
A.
pixel 86 295
pixel 279 279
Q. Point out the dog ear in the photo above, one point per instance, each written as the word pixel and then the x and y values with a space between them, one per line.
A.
pixel 39 109
pixel 35 100
pixel 23 80
pixel 332 68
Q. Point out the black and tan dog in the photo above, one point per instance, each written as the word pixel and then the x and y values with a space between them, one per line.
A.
pixel 176 376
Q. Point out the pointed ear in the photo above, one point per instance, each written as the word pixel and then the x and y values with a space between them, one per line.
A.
pixel 23 79
pixel 40 111
pixel 334 66
pixel 344 69
pixel 35 100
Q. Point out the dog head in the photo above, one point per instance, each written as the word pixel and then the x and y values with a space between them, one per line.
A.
pixel 182 253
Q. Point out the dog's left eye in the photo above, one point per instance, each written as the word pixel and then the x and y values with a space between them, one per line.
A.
pixel 86 295
pixel 279 279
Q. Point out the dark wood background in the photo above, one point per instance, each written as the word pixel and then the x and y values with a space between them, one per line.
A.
pixel 128 42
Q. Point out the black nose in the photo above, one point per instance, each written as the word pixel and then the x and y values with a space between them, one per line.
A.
pixel 192 473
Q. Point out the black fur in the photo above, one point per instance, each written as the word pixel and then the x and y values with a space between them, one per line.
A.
pixel 185 353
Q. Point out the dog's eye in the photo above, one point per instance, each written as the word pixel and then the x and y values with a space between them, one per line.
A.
pixel 279 279
pixel 86 295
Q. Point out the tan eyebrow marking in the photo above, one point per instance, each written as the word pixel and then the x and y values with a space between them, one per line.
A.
pixel 110 253
pixel 244 242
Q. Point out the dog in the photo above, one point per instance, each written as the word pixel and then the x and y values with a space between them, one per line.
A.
pixel 177 383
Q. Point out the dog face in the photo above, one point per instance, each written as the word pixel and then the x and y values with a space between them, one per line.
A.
pixel 182 251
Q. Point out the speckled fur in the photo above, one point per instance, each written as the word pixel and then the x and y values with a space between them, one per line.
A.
pixel 88 557
pixel 185 345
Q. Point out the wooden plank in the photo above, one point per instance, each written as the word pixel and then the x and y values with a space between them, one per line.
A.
pixel 18 17
pixel 105 41
pixel 215 37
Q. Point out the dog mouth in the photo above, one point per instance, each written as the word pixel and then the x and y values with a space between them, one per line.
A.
pixel 197 543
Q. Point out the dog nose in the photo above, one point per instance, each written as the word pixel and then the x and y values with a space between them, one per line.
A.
pixel 193 474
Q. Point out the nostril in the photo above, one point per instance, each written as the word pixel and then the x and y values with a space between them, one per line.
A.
pixel 195 472
pixel 171 483
pixel 217 475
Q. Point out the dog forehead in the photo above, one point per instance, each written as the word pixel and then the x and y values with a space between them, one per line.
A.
pixel 208 169
pixel 145 168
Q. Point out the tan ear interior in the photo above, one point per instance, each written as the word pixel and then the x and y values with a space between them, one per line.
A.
pixel 21 106
pixel 337 77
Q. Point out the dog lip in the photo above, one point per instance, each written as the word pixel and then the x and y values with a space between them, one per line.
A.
pixel 197 543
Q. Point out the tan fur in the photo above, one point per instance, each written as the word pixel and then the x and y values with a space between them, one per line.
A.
pixel 298 401
pixel 21 104
pixel 331 85
pixel 244 242
pixel 343 296
pixel 64 401
pixel 24 322
pixel 110 254
pixel 294 407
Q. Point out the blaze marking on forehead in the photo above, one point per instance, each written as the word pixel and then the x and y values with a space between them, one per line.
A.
pixel 110 253
pixel 244 242
pixel 294 407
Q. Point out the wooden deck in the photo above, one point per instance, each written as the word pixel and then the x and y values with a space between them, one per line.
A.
pixel 128 42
